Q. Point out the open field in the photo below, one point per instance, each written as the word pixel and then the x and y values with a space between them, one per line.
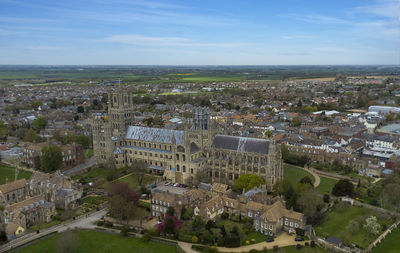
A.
pixel 88 241
pixel 131 180
pixel 336 223
pixel 294 174
pixel 326 185
pixel 322 79
pixel 9 172
pixel 391 244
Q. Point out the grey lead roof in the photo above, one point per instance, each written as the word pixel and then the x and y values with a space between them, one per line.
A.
pixel 159 135
pixel 241 144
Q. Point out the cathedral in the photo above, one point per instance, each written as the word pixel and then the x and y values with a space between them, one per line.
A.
pixel 190 156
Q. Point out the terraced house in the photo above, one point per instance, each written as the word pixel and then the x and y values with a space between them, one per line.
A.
pixel 197 153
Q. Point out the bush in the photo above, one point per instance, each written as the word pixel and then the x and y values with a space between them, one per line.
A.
pixel 326 198
pixel 276 248
pixel 312 244
pixel 224 216
pixel 195 239
pixel 253 251
pixel 100 223
pixel 307 244
pixel 124 231
pixel 145 238
pixel 213 249
pixel 299 246
pixel 198 247
pixel 108 224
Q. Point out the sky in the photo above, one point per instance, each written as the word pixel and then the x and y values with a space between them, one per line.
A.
pixel 199 32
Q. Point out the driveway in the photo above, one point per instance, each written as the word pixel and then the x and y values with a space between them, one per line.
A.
pixel 283 240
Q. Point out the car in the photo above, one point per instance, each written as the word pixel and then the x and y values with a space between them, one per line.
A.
pixel 182 186
pixel 178 185
pixel 167 183
pixel 153 186
pixel 174 185
pixel 270 239
pixel 299 239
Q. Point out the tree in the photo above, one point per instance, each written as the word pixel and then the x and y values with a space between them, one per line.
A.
pixel 247 182
pixel 306 180
pixel 268 133
pixel 343 188
pixel 170 211
pixel 372 225
pixel 296 121
pixel 80 109
pixel 198 222
pixel 39 123
pixel 139 168
pixel 84 141
pixel 123 202
pixel 353 226
pixel 51 158
pixel 284 151
pixel 310 202
pixel 3 131
pixel 123 190
pixel 391 194
pixel 31 136
pixel 326 198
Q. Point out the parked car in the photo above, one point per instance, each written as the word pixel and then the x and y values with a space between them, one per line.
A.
pixel 299 239
pixel 174 185
pixel 153 186
pixel 182 186
pixel 178 185
pixel 167 183
pixel 270 239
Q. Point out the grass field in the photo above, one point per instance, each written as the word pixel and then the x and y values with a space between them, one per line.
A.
pixel 292 249
pixel 92 174
pixel 132 181
pixel 95 241
pixel 391 244
pixel 338 218
pixel 45 225
pixel 294 174
pixel 9 172
pixel 326 185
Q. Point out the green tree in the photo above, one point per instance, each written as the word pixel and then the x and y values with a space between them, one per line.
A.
pixel 83 140
pixel 247 182
pixel 3 131
pixel 284 151
pixel 51 158
pixel 296 121
pixel 31 136
pixel 268 133
pixel 39 123
pixel 343 188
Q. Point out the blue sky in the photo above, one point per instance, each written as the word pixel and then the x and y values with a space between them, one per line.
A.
pixel 204 32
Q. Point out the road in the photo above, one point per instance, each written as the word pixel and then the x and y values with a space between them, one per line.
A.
pixel 83 166
pixel 83 223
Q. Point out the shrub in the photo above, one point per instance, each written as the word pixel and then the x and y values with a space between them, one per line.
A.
pixel 253 251
pixel 195 239
pixel 145 238
pixel 224 216
pixel 198 247
pixel 312 244
pixel 247 242
pixel 108 224
pixel 213 249
pixel 276 248
pixel 307 244
pixel 124 231
pixel 299 246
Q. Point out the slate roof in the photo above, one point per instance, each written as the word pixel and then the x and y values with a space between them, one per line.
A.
pixel 159 135
pixel 241 144
pixel 12 186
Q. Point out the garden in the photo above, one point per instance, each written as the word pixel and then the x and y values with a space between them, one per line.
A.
pixel 353 224
pixel 7 172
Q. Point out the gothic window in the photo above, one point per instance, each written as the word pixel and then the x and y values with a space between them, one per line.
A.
pixel 181 149
pixel 115 99
pixel 216 174
pixel 177 167
pixel 184 168
pixel 191 170
pixel 183 157
pixel 177 157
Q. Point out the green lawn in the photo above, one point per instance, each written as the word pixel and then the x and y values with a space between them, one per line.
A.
pixel 326 185
pixel 131 180
pixel 94 241
pixel 294 174
pixel 9 172
pixel 92 174
pixel 390 244
pixel 292 249
pixel 45 225
pixel 337 219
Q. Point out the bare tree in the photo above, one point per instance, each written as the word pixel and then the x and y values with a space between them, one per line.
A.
pixel 139 168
